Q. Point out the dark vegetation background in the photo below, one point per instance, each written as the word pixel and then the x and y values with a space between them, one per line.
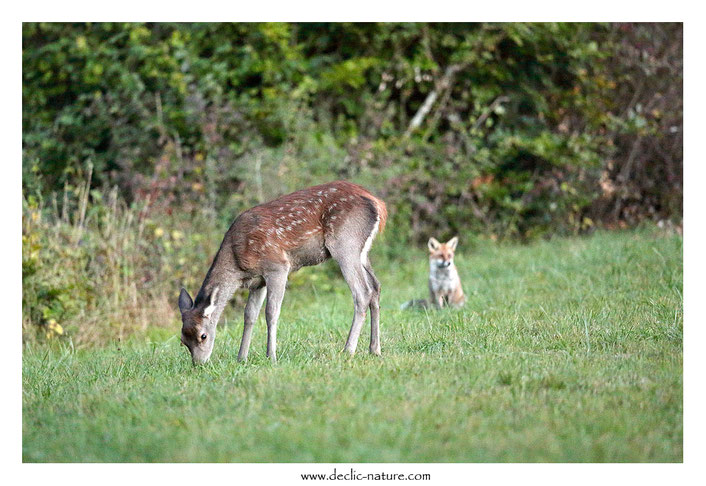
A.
pixel 142 142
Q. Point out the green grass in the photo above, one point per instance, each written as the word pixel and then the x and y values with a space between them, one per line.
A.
pixel 569 350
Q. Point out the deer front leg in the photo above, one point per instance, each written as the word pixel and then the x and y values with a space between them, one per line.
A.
pixel 276 284
pixel 252 310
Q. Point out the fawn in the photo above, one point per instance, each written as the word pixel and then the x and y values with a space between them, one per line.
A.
pixel 444 282
pixel 266 243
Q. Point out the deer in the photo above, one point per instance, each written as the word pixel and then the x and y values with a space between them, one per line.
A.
pixel 266 243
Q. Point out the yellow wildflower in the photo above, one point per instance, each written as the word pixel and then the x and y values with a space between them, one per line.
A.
pixel 55 329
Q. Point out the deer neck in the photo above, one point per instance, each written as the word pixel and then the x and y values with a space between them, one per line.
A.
pixel 224 276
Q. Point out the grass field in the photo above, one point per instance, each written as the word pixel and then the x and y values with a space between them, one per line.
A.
pixel 568 350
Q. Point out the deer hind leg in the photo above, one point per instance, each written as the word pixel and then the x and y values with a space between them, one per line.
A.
pixel 349 247
pixel 252 310
pixel 353 273
pixel 276 284
pixel 374 309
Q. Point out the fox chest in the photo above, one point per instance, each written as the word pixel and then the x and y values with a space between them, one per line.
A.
pixel 445 283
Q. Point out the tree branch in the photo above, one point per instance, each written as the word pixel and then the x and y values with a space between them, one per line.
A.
pixel 423 111
pixel 491 108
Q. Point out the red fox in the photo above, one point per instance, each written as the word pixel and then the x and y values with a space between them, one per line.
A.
pixel 444 282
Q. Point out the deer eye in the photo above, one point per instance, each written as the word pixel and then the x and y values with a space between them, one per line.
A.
pixel 203 337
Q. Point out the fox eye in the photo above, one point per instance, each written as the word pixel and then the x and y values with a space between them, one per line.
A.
pixel 203 337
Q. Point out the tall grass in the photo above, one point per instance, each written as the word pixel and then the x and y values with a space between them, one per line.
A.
pixel 103 269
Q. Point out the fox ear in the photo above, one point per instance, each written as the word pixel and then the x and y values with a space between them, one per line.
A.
pixel 185 302
pixel 452 243
pixel 433 244
pixel 212 306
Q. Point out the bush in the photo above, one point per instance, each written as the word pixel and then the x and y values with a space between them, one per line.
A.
pixel 510 130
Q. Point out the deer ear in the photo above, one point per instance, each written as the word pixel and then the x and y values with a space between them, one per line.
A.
pixel 212 306
pixel 433 244
pixel 452 243
pixel 185 302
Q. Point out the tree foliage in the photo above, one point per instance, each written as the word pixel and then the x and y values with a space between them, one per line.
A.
pixel 508 130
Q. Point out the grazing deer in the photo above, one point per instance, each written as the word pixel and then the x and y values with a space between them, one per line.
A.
pixel 266 243
pixel 444 282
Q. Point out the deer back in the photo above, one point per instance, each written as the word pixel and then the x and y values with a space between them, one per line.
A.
pixel 295 229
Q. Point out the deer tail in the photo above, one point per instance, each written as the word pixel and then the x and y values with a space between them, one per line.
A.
pixel 381 210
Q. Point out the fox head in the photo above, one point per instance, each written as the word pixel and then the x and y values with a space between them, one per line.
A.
pixel 441 255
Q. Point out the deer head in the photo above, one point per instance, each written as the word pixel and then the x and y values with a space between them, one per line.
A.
pixel 198 331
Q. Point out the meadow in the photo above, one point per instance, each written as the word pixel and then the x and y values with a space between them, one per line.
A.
pixel 568 350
